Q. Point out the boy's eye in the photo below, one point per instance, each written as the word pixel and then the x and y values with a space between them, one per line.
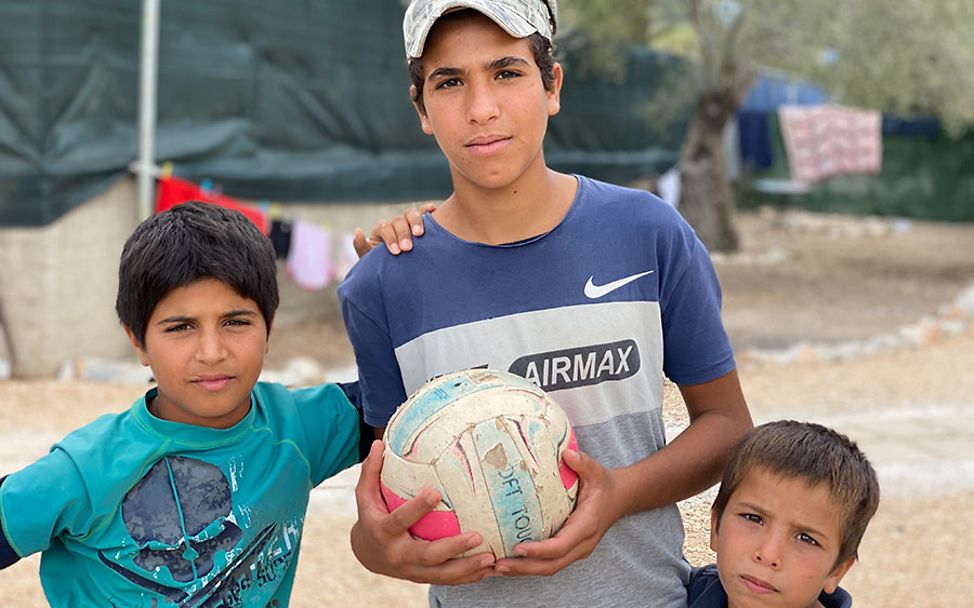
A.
pixel 237 322
pixel 805 538
pixel 507 74
pixel 751 517
pixel 178 328
pixel 449 83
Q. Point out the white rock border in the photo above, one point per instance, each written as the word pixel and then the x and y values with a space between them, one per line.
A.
pixel 950 320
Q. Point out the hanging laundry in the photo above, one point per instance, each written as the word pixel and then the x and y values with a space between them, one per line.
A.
pixel 668 186
pixel 345 256
pixel 172 191
pixel 281 234
pixel 755 139
pixel 309 262
pixel 827 140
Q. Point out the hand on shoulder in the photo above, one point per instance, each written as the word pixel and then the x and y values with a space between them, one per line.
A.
pixel 396 233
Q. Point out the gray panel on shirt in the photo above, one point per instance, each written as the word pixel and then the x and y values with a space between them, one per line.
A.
pixel 597 360
pixel 603 364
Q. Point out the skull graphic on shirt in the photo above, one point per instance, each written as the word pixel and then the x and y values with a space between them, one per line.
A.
pixel 178 513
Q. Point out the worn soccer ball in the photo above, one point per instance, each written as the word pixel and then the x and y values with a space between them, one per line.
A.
pixel 490 443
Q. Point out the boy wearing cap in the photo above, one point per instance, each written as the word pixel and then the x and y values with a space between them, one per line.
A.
pixel 590 290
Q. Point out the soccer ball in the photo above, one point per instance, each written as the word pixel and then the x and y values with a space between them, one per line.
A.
pixel 490 443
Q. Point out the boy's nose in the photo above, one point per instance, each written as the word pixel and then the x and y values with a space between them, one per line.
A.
pixel 768 552
pixel 211 348
pixel 483 105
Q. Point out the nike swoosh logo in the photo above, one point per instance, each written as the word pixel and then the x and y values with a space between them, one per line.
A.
pixel 594 292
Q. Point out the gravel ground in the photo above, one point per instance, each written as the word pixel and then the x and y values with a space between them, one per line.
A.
pixel 799 279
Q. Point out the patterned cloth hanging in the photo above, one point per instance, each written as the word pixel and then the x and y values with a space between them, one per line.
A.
pixel 827 140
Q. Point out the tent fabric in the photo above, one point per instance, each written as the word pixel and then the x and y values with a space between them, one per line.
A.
pixel 772 90
pixel 755 140
pixel 291 100
pixel 306 101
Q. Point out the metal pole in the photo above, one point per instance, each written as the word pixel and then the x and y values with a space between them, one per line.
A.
pixel 147 106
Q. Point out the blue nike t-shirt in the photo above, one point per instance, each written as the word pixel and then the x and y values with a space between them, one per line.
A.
pixel 595 311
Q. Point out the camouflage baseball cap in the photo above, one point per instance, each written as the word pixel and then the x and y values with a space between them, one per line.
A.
pixel 519 18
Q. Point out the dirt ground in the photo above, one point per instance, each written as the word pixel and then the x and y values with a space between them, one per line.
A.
pixel 821 280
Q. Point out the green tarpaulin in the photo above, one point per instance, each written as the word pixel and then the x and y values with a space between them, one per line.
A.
pixel 290 100
pixel 306 100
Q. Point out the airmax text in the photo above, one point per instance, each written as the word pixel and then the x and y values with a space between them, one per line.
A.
pixel 581 366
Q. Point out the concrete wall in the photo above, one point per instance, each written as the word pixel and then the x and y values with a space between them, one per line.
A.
pixel 58 282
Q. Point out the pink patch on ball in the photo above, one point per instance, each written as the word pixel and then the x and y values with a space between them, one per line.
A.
pixel 433 526
pixel 436 525
pixel 568 476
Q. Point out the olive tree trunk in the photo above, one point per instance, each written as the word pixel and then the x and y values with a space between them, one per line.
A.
pixel 706 192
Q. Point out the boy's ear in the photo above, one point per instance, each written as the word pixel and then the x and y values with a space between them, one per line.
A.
pixel 136 346
pixel 835 577
pixel 424 121
pixel 267 343
pixel 554 95
pixel 713 529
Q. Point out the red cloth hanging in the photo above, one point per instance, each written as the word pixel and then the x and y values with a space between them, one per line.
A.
pixel 172 191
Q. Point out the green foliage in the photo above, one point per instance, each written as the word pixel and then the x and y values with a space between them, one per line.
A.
pixel 616 20
pixel 606 27
pixel 907 56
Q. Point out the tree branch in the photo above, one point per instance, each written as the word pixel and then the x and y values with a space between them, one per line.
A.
pixel 706 43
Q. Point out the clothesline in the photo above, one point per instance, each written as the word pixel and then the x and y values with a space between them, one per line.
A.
pixel 315 256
